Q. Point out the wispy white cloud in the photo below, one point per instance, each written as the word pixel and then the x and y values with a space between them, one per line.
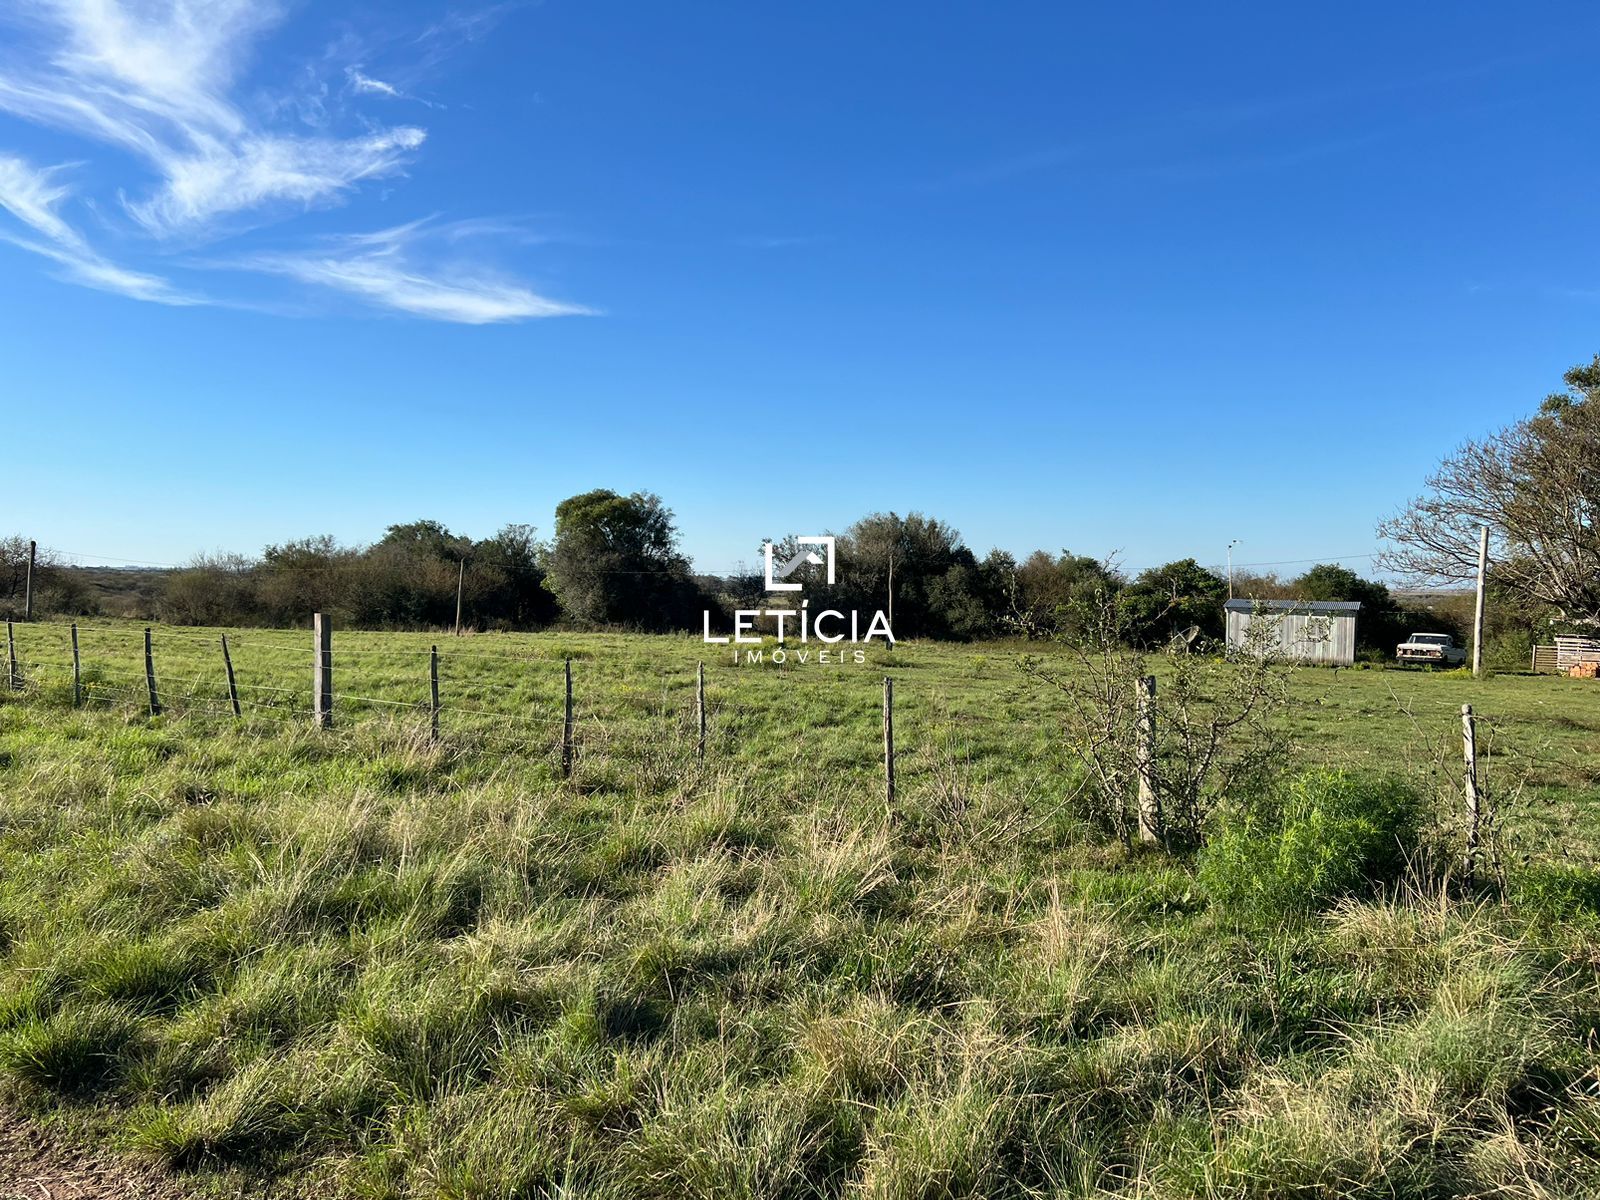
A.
pixel 93 271
pixel 360 83
pixel 220 178
pixel 459 27
pixel 369 86
pixel 157 80
pixel 32 195
pixel 392 268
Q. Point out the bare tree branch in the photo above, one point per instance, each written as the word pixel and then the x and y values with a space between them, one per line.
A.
pixel 1536 484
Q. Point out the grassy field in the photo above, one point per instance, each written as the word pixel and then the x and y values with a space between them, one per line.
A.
pixel 354 962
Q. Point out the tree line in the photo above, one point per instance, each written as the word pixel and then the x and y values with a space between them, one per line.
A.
pixel 614 561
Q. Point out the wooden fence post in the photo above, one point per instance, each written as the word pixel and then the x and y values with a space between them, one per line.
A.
pixel 1145 760
pixel 150 676
pixel 1469 762
pixel 13 679
pixel 433 693
pixel 27 604
pixel 700 708
pixel 322 671
pixel 233 683
pixel 566 728
pixel 77 670
pixel 888 741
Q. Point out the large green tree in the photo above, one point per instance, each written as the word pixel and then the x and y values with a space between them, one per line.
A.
pixel 615 561
pixel 509 570
pixel 914 554
pixel 1167 601
pixel 305 576
pixel 1052 595
pixel 410 576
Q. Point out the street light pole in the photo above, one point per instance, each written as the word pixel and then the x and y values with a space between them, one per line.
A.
pixel 1231 545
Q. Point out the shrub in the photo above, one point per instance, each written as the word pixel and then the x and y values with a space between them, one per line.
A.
pixel 1328 835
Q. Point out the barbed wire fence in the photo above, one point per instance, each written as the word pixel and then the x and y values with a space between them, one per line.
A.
pixel 452 694
pixel 461 696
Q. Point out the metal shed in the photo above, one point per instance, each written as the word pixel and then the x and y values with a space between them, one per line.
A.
pixel 1311 631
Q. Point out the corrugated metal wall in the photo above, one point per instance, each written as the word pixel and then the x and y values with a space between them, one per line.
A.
pixel 1328 639
pixel 1570 651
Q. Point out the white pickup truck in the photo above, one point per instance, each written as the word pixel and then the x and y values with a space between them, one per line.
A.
pixel 1430 649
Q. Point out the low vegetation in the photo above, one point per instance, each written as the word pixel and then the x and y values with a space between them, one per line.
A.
pixel 357 963
pixel 614 563
pixel 1311 841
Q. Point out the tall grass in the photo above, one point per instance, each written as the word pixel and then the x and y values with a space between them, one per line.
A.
pixel 359 964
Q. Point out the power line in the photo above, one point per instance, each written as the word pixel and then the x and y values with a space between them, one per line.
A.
pixel 1321 558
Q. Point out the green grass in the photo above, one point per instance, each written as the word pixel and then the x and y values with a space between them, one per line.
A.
pixel 355 963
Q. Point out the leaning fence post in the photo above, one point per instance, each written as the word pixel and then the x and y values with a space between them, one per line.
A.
pixel 433 693
pixel 1145 760
pixel 566 728
pixel 150 676
pixel 322 671
pixel 700 708
pixel 1469 759
pixel 888 740
pixel 13 678
pixel 233 684
pixel 77 670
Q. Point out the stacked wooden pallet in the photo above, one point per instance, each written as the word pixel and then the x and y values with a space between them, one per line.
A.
pixel 1578 657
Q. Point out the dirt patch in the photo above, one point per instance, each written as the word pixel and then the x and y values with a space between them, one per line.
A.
pixel 34 1165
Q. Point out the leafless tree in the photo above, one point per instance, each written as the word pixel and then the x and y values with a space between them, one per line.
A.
pixel 1218 727
pixel 1536 485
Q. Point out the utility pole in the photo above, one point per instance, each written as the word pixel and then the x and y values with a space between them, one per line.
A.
pixel 1477 612
pixel 891 599
pixel 27 602
pixel 461 579
pixel 1231 545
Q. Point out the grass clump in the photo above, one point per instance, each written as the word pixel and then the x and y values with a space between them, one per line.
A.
pixel 76 1048
pixel 1327 835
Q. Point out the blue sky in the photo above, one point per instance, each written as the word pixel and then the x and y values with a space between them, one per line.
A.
pixel 1138 279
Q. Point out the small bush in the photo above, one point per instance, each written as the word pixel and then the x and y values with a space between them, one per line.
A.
pixel 1329 835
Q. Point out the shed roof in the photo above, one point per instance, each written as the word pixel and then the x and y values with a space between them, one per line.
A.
pixel 1293 606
